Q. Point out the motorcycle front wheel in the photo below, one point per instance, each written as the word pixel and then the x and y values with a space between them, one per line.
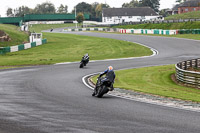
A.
pixel 102 90
pixel 81 65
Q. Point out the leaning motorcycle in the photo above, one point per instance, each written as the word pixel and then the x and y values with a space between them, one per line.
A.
pixel 101 89
pixel 83 63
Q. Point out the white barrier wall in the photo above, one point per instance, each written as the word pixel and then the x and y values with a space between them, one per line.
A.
pixel 38 43
pixel 13 48
pixel 27 45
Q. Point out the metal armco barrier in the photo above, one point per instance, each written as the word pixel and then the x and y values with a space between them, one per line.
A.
pixel 190 78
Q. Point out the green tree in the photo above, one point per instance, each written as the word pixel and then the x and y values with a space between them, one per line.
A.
pixel 9 12
pixel 80 17
pixel 93 12
pixel 83 7
pixel 164 12
pixel 66 9
pixel 99 9
pixel 133 3
pixel 45 8
pixel 154 4
pixel 62 9
pixel 21 11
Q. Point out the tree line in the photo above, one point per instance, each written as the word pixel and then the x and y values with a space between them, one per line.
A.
pixel 154 4
pixel 44 8
pixel 94 9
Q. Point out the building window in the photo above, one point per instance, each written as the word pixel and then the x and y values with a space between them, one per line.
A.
pixel 129 16
pixel 186 9
pixel 119 16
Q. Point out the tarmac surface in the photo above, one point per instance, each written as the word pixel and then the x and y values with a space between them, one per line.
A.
pixel 54 99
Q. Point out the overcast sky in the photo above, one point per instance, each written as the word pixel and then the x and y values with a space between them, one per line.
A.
pixel 4 4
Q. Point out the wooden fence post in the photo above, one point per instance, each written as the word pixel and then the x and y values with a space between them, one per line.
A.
pixel 185 65
pixel 196 63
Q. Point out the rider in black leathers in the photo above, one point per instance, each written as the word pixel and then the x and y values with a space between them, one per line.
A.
pixel 108 80
pixel 85 58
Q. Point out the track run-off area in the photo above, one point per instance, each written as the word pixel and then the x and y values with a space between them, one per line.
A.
pixel 54 99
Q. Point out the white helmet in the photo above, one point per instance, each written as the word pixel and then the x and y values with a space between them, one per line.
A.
pixel 110 68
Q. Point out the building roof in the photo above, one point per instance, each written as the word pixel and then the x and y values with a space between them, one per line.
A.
pixel 191 3
pixel 137 11
pixel 175 8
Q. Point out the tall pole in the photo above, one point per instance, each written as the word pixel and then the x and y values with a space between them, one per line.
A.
pixel 75 17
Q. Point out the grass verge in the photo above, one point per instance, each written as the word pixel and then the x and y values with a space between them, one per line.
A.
pixel 39 27
pixel 68 48
pixel 189 15
pixel 17 36
pixel 156 81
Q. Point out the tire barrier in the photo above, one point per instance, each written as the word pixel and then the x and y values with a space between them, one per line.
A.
pixel 4 50
pixel 93 29
pixel 189 31
pixel 139 31
pixel 149 31
pixel 185 72
pixel 160 31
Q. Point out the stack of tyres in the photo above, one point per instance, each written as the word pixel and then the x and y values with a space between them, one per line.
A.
pixel 2 51
pixel 181 31
pixel 188 31
pixel 198 31
pixel 195 31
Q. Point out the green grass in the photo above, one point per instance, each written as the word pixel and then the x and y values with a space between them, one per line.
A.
pixel 40 27
pixel 6 67
pixel 17 37
pixel 164 26
pixel 154 80
pixel 189 15
pixel 186 36
pixel 68 48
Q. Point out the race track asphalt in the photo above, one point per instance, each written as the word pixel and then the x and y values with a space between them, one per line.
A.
pixel 54 99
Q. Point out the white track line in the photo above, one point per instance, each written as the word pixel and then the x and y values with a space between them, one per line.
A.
pixel 155 52
pixel 171 105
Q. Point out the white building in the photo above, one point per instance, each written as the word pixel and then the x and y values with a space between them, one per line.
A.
pixel 120 15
